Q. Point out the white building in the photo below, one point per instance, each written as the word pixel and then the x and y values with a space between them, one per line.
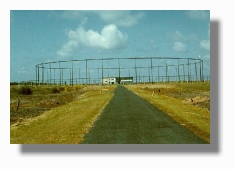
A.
pixel 109 80
pixel 126 81
pixel 117 80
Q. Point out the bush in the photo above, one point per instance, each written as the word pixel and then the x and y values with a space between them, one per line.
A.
pixel 25 90
pixel 61 89
pixel 77 88
pixel 55 90
pixel 68 89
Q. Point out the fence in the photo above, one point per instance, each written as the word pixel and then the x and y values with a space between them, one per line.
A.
pixel 141 69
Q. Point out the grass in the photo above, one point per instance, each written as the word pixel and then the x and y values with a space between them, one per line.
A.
pixel 66 115
pixel 193 117
pixel 196 94
pixel 129 119
pixel 43 98
pixel 65 124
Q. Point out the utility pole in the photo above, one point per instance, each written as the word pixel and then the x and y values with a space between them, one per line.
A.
pixel 135 72
pixel 102 72
pixel 50 73
pixel 42 73
pixel 86 71
pixel 119 76
pixel 72 73
pixel 188 71
pixel 152 69
pixel 36 75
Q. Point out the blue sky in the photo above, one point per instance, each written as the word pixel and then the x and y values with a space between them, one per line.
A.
pixel 43 36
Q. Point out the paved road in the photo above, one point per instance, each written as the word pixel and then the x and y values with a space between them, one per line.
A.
pixel 129 119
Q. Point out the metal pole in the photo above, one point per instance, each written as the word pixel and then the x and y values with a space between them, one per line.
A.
pixel 196 70
pixel 98 74
pixel 42 74
pixel 158 73
pixel 135 72
pixel 60 73
pixel 72 73
pixel 178 71
pixel 149 74
pixel 79 77
pixel 166 73
pixel 152 69
pixel 89 77
pixel 202 71
pixel 102 72
pixel 47 76
pixel 119 72
pixel 190 74
pixel 36 75
pixel 62 76
pixel 188 71
pixel 54 76
pixel 50 73
pixel 86 71
pixel 70 78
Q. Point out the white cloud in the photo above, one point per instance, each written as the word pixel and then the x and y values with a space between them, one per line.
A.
pixel 198 14
pixel 68 48
pixel 110 37
pixel 179 46
pixel 178 36
pixel 205 44
pixel 23 70
pixel 121 18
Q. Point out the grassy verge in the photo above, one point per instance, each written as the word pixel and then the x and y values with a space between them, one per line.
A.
pixel 196 119
pixel 65 124
pixel 43 98
pixel 196 94
pixel 129 119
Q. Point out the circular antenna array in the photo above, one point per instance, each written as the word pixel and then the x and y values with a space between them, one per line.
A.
pixel 120 70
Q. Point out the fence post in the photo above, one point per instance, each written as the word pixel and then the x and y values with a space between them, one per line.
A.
pixel 18 105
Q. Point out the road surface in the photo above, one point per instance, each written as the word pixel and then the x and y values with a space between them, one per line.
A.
pixel 129 119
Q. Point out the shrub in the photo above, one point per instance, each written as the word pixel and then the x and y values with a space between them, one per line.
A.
pixel 60 88
pixel 55 90
pixel 25 90
pixel 77 88
pixel 68 89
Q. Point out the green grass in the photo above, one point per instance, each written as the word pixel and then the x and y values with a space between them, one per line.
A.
pixel 194 118
pixel 65 124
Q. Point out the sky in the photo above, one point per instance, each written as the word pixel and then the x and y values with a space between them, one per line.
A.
pixel 47 36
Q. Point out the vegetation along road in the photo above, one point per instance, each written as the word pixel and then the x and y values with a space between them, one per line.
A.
pixel 129 119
